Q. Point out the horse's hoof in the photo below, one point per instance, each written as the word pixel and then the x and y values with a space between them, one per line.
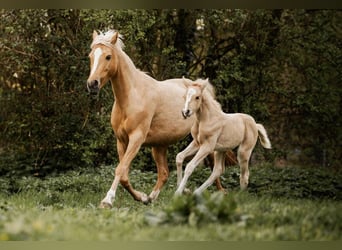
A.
pixel 145 199
pixel 105 205
pixel 187 191
pixel 223 190
pixel 146 202
pixel 153 195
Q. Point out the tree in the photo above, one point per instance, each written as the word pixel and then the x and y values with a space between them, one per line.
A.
pixel 281 66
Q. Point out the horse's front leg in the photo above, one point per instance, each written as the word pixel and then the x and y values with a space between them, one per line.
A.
pixel 121 172
pixel 191 149
pixel 107 201
pixel 203 151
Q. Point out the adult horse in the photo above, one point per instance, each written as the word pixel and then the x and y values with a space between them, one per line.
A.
pixel 145 111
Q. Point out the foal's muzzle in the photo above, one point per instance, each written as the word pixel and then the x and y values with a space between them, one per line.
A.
pixel 93 86
pixel 186 113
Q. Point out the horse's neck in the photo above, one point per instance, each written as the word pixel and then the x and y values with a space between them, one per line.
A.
pixel 209 110
pixel 125 79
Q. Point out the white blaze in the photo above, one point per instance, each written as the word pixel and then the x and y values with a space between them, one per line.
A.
pixel 97 55
pixel 189 94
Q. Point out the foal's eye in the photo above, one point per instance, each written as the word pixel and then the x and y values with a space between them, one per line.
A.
pixel 108 57
pixel 197 98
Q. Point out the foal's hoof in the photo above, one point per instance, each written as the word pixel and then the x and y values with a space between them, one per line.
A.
pixel 187 191
pixel 105 205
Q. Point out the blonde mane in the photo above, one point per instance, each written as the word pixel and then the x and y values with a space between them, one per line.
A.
pixel 105 39
pixel 209 96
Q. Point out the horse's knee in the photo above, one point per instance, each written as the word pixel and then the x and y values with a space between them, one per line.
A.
pixel 122 173
pixel 179 159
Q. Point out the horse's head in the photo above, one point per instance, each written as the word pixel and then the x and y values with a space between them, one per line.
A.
pixel 103 59
pixel 193 97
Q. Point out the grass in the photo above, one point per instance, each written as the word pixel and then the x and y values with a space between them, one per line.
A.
pixel 280 204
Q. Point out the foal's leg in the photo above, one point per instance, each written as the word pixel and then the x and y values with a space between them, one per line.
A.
pixel 209 162
pixel 191 149
pixel 218 169
pixel 121 172
pixel 203 151
pixel 159 156
pixel 243 158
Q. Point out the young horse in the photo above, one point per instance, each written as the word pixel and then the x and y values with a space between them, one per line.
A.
pixel 141 113
pixel 216 131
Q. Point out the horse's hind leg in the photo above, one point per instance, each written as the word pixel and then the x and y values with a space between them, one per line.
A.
pixel 209 162
pixel 218 169
pixel 243 159
pixel 159 156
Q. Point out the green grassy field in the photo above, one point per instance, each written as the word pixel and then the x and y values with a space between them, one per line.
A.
pixel 280 204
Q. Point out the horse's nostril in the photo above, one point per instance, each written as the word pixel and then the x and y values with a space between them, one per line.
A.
pixel 93 86
pixel 186 113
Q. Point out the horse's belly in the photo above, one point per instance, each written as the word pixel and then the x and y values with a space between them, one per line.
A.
pixel 166 132
pixel 228 141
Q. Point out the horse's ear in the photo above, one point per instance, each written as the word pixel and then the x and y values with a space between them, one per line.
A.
pixel 204 84
pixel 114 38
pixel 94 34
pixel 186 81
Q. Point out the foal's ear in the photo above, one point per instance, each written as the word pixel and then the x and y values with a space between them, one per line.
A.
pixel 94 34
pixel 204 84
pixel 186 81
pixel 114 38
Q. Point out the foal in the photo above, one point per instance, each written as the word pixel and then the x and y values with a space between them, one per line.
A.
pixel 216 131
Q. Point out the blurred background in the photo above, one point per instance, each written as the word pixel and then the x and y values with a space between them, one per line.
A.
pixel 281 66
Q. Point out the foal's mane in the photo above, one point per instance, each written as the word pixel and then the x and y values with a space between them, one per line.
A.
pixel 105 39
pixel 208 95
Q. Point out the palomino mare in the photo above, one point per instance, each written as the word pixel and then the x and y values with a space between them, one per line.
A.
pixel 216 131
pixel 141 113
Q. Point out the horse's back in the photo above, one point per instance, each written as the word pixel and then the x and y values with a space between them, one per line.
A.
pixel 234 129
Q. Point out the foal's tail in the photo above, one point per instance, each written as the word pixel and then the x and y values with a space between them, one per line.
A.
pixel 265 142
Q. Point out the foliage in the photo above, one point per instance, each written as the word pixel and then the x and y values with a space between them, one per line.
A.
pixel 48 122
pixel 64 207
pixel 295 182
pixel 197 210
pixel 280 66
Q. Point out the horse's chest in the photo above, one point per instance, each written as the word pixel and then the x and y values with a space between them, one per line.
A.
pixel 207 132
pixel 119 125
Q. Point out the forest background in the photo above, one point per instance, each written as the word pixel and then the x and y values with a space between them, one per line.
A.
pixel 281 66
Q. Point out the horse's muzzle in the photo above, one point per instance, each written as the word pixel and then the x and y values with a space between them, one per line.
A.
pixel 186 113
pixel 93 86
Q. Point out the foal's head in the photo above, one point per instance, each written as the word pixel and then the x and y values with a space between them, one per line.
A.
pixel 103 59
pixel 193 97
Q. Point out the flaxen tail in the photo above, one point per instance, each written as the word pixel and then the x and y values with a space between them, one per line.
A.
pixel 265 142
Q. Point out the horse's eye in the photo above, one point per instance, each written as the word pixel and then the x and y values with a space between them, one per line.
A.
pixel 108 57
pixel 197 98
